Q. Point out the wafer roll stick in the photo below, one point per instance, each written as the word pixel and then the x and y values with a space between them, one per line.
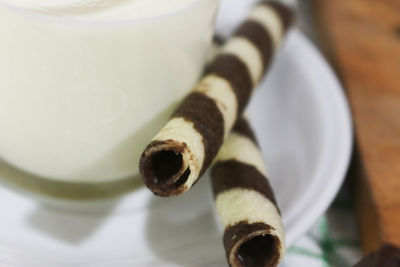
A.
pixel 245 202
pixel 186 146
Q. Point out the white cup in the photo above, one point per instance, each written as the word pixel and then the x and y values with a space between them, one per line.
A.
pixel 81 98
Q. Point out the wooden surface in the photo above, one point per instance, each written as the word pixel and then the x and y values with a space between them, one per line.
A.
pixel 362 39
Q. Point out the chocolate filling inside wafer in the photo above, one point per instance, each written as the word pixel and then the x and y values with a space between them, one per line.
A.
pixel 165 165
pixel 256 246
pixel 164 169
pixel 258 251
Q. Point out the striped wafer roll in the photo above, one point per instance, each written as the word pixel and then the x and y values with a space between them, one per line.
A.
pixel 186 146
pixel 245 202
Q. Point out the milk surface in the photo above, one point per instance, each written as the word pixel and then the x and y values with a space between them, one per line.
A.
pixel 104 9
pixel 79 98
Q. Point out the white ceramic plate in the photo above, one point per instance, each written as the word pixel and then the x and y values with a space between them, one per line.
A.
pixel 303 124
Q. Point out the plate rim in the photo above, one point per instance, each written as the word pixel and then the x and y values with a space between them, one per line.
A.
pixel 339 103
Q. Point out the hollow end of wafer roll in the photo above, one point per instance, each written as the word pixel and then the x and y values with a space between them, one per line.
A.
pixel 163 168
pixel 252 247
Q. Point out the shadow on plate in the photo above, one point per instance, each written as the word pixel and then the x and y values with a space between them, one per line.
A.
pixel 70 223
pixel 183 230
pixel 72 211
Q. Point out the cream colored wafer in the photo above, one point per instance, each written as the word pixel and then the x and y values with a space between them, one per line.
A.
pixel 245 202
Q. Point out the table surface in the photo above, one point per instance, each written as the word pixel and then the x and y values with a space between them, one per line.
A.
pixel 362 39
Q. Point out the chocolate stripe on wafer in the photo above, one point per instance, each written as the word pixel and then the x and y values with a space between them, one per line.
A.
pixel 181 152
pixel 259 37
pixel 210 123
pixel 232 69
pixel 242 127
pixel 274 17
pixel 245 202
pixel 284 13
pixel 233 174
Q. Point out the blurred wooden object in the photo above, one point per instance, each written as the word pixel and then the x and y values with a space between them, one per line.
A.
pixel 362 39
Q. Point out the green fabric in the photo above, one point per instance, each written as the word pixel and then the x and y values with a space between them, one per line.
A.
pixel 332 241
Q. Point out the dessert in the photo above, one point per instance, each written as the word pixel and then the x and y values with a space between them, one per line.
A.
pixel 181 152
pixel 245 202
pixel 83 112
